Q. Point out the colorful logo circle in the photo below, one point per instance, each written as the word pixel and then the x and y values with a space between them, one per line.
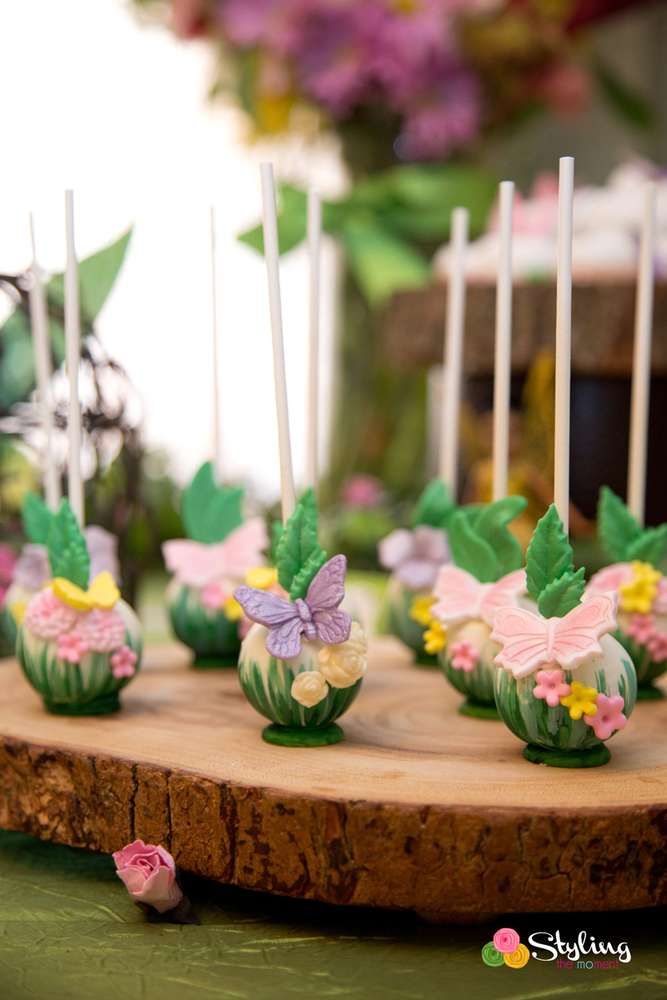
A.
pixel 505 949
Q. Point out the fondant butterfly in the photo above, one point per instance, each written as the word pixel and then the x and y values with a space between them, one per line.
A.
pixel 196 564
pixel 315 617
pixel 530 641
pixel 102 593
pixel 460 597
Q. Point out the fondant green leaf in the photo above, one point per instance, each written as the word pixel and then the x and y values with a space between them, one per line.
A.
pixel 435 506
pixel 299 554
pixel 650 547
pixel 470 551
pixel 549 554
pixel 210 512
pixel 36 518
pixel 276 534
pixel 561 595
pixel 617 528
pixel 490 523
pixel 67 549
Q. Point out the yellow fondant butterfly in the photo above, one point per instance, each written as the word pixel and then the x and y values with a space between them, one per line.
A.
pixel 102 593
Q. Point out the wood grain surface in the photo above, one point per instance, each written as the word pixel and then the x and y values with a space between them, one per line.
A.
pixel 419 808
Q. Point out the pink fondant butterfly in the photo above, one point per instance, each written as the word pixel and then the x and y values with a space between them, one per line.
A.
pixel 530 641
pixel 316 617
pixel 196 564
pixel 460 597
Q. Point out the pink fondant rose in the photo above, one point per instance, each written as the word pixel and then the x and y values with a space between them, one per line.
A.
pixel 149 875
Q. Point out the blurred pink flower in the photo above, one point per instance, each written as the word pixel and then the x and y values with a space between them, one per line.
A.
pixel 657 646
pixel 148 872
pixel 641 628
pixel 213 596
pixel 47 617
pixel 102 631
pixel 123 662
pixel 362 491
pixel 463 656
pixel 446 119
pixel 566 87
pixel 7 564
pixel 609 716
pixel 551 686
pixel 71 647
pixel 188 17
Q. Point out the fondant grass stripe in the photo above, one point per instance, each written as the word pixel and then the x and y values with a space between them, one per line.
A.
pixel 476 685
pixel 207 633
pixel 270 695
pixel 647 669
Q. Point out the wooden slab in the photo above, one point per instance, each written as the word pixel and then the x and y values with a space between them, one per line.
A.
pixel 419 808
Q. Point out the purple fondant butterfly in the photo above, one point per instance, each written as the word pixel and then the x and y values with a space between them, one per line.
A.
pixel 316 617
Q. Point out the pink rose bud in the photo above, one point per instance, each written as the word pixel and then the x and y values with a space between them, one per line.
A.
pixel 149 875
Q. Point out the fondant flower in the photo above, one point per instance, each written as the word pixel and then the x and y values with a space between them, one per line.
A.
pixel 342 665
pixel 639 593
pixel 232 609
pixel 415 556
pixel 213 595
pixel 32 568
pixel 47 617
pixel 551 686
pixel 435 637
pixel 123 662
pixel 149 875
pixel 309 688
pixel 262 577
pixel 71 647
pixel 608 717
pixel 580 701
pixel 657 646
pixel 102 631
pixel 464 656
pixel 640 628
pixel 420 609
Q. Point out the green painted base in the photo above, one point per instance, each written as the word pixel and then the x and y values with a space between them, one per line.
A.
pixel 426 660
pixel 98 706
pixel 595 757
pixel 649 693
pixel 215 662
pixel 476 710
pixel 297 736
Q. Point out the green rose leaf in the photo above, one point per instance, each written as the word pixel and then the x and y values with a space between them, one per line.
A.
pixel 67 549
pixel 470 551
pixel 549 554
pixel 36 518
pixel 490 523
pixel 435 506
pixel 617 528
pixel 299 554
pixel 650 547
pixel 561 595
pixel 210 512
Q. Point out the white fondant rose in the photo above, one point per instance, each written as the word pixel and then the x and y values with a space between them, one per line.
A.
pixel 309 688
pixel 343 665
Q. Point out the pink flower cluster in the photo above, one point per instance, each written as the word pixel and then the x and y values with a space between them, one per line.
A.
pixel 463 656
pixel 406 57
pixel 214 595
pixel 551 687
pixel 7 564
pixel 643 630
pixel 78 633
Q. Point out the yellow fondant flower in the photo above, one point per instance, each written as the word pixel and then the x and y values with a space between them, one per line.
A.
pixel 420 609
pixel 262 577
pixel 638 595
pixel 580 701
pixel 17 610
pixel 435 637
pixel 232 609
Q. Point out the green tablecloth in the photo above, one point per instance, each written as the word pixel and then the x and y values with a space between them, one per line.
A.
pixel 68 931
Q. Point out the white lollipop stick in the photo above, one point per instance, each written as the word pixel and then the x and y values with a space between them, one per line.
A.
pixel 503 350
pixel 216 443
pixel 39 322
pixel 453 355
pixel 270 223
pixel 72 359
pixel 641 366
pixel 563 340
pixel 314 227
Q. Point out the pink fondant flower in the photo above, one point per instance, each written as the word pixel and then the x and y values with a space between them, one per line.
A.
pixel 551 686
pixel 102 631
pixel 149 875
pixel 213 596
pixel 464 656
pixel 123 662
pixel 657 646
pixel 506 940
pixel 47 617
pixel 609 716
pixel 71 647
pixel 641 628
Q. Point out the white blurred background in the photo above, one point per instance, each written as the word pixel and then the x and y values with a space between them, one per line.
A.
pixel 96 101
